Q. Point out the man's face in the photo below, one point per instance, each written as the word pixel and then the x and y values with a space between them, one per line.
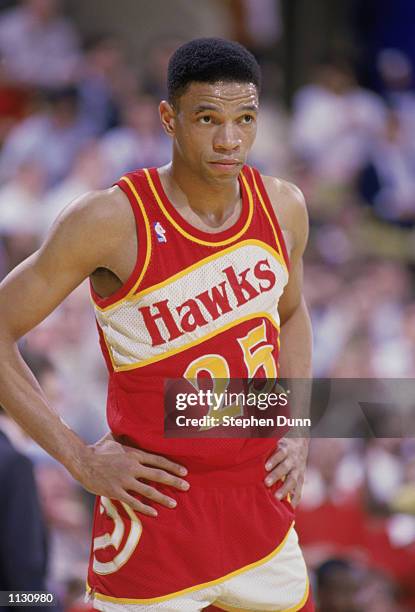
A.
pixel 214 127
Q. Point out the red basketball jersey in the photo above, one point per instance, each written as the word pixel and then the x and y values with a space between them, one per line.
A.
pixel 195 302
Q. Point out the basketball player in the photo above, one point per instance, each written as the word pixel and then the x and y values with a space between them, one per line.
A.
pixel 187 266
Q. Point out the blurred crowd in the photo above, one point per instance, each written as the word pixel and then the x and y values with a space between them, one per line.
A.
pixel 74 116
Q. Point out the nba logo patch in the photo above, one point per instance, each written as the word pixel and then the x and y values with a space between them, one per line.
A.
pixel 160 232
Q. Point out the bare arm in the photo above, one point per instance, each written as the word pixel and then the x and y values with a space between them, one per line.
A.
pixel 296 333
pixel 295 337
pixel 27 295
pixel 85 237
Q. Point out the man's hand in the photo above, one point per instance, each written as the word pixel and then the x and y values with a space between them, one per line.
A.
pixel 288 463
pixel 116 471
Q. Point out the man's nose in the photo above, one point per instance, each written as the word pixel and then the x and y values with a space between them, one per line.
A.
pixel 227 138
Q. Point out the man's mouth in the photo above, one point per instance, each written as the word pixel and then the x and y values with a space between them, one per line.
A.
pixel 226 162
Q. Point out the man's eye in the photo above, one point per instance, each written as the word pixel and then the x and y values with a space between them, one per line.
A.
pixel 247 119
pixel 205 119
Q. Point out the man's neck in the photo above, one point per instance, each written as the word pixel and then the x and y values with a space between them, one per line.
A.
pixel 213 202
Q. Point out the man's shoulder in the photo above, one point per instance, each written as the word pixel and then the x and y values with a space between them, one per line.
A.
pixel 93 229
pixel 280 190
pixel 105 212
pixel 101 203
pixel 290 208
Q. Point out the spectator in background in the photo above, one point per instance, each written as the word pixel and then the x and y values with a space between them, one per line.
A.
pixel 387 182
pixel 396 356
pixel 64 506
pixel 53 136
pixel 155 68
pixel 104 81
pixel 346 513
pixel 345 586
pixel 384 472
pixel 337 324
pixel 404 500
pixel 398 83
pixel 338 582
pixel 38 45
pixel 13 103
pixel 139 141
pixel 89 172
pixel 378 593
pixel 23 552
pixel 20 198
pixel 380 24
pixel 270 153
pixel 334 121
pixel 67 516
pixel 260 31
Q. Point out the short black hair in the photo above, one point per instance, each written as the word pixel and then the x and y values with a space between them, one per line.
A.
pixel 207 60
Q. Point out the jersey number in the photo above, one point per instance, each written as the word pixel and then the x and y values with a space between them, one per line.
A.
pixel 254 356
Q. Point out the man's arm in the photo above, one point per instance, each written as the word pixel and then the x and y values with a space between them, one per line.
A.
pixel 295 336
pixel 87 235
pixel 296 333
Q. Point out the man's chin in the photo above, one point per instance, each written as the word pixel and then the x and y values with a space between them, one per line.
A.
pixel 224 172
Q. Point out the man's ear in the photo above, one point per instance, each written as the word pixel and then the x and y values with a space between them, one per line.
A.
pixel 167 117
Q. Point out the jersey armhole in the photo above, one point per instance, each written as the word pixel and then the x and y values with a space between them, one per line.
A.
pixel 143 233
pixel 266 203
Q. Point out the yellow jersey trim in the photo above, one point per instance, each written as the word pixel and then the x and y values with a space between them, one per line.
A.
pixel 148 250
pixel 202 262
pixel 274 231
pixel 303 600
pixel 199 586
pixel 173 278
pixel 190 236
pixel 195 266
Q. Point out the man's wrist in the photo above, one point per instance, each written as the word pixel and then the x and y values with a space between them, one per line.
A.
pixel 78 459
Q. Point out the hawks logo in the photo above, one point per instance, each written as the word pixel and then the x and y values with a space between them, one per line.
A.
pixel 207 306
pixel 120 542
pixel 216 293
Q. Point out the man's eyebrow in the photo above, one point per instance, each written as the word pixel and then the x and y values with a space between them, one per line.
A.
pixel 205 107
pixel 212 107
pixel 249 107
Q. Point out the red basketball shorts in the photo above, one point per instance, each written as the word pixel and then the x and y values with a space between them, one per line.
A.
pixel 229 542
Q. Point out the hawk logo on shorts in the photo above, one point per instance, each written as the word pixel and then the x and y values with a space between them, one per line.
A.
pixel 160 232
pixel 121 548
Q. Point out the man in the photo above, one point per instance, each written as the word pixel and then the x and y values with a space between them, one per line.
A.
pixel 187 264
pixel 23 554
